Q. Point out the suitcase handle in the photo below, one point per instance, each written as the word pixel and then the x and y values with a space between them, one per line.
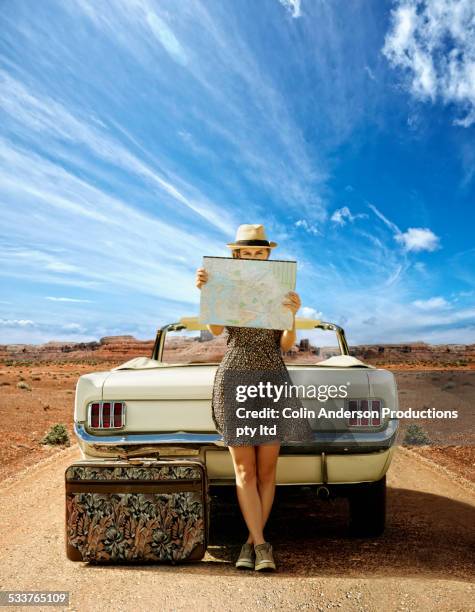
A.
pixel 145 457
pixel 148 460
pixel 142 453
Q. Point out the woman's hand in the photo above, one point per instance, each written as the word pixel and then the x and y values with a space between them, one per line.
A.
pixel 201 277
pixel 292 302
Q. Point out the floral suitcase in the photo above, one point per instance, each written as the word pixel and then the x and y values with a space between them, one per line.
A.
pixel 137 510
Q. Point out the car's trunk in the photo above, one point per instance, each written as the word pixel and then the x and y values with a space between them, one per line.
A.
pixel 156 402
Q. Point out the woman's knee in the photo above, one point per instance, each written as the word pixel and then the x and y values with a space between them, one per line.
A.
pixel 244 459
pixel 267 457
pixel 246 473
pixel 266 473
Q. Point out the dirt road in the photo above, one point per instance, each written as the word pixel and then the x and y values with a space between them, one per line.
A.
pixel 423 562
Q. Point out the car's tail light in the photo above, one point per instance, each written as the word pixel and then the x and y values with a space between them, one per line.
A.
pixel 364 407
pixel 106 415
pixel 370 410
pixel 376 407
pixel 353 406
pixel 119 412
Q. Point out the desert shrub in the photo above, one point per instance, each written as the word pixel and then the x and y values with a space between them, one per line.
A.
pixel 449 385
pixel 23 385
pixel 58 434
pixel 36 378
pixel 4 383
pixel 415 435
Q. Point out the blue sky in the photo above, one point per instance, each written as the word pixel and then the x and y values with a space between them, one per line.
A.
pixel 135 136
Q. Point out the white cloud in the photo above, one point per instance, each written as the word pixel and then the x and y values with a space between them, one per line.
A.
pixel 389 223
pixel 414 238
pixel 397 320
pixel 73 327
pixel 311 313
pixel 370 73
pixel 17 323
pixel 42 259
pixel 433 42
pixel 166 37
pixel 126 16
pixel 245 108
pixel 342 214
pixel 434 303
pixel 376 241
pixel 293 6
pixel 420 267
pixel 44 201
pixel 396 275
pixel 308 227
pixel 418 239
pixel 42 116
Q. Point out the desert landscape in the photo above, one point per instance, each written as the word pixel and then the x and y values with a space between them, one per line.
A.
pixel 424 560
pixel 37 386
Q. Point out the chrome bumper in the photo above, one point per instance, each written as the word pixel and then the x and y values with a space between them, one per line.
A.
pixel 323 441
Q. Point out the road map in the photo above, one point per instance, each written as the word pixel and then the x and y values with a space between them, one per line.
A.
pixel 247 292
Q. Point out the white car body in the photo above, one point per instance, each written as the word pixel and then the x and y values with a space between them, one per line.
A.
pixel 164 410
pixel 168 408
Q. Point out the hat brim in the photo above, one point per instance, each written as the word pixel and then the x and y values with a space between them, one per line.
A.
pixel 233 245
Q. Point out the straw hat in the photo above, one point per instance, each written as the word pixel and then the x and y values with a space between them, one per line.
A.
pixel 252 235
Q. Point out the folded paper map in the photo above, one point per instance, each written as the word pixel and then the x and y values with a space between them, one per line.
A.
pixel 247 292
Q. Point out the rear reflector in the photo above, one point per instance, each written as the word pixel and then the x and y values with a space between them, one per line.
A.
pixel 370 409
pixel 106 415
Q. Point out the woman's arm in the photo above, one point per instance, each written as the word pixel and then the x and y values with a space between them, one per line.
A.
pixel 215 329
pixel 289 336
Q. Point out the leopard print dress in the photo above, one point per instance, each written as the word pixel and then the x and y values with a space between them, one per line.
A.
pixel 253 355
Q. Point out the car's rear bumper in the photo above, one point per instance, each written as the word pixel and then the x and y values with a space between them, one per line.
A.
pixel 335 441
pixel 333 457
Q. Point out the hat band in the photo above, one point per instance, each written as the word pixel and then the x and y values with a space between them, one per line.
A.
pixel 253 242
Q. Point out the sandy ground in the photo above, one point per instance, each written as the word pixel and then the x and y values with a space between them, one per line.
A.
pixel 424 561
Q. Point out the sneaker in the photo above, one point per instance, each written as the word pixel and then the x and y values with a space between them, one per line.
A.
pixel 264 557
pixel 246 556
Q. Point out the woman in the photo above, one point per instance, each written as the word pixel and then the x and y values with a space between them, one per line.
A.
pixel 252 353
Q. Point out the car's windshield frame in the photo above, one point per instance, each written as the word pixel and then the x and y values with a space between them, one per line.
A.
pixel 192 324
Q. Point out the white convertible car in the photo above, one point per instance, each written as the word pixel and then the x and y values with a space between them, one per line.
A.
pixel 162 406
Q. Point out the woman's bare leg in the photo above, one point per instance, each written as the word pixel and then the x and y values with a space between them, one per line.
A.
pixel 267 455
pixel 244 459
